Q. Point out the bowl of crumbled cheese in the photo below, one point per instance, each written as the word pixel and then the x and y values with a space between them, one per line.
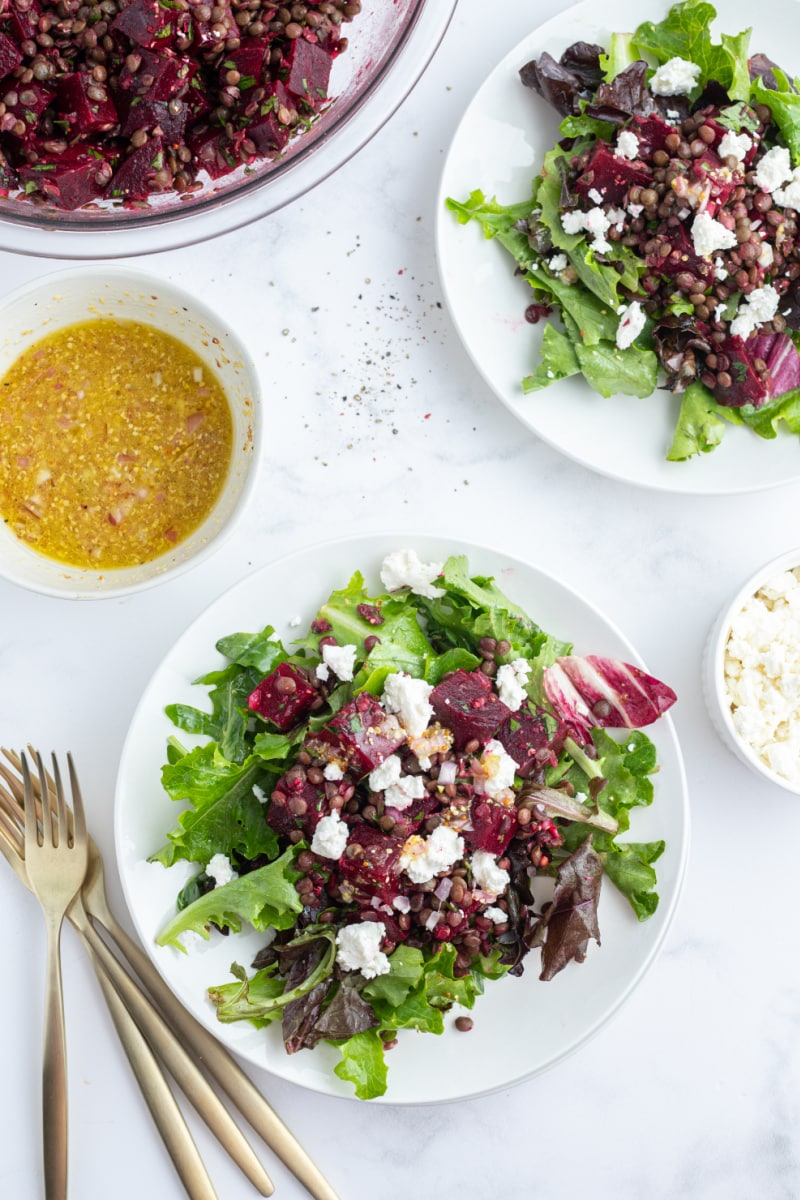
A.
pixel 752 672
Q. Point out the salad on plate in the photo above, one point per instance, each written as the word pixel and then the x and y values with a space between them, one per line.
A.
pixel 408 800
pixel 662 228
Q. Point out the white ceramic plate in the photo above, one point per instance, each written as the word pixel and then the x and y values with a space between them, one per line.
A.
pixel 498 147
pixel 522 1025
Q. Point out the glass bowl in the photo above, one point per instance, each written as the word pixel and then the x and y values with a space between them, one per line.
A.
pixel 389 46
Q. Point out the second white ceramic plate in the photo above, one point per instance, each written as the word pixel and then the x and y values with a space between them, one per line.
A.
pixel 522 1025
pixel 498 147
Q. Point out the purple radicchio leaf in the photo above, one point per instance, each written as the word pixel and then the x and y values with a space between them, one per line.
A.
pixel 677 339
pixel 747 387
pixel 590 691
pixel 565 83
pixel 571 920
pixel 778 351
pixel 761 67
pixel 626 96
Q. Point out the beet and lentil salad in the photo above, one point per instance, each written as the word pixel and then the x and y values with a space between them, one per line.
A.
pixel 123 99
pixel 663 227
pixel 407 801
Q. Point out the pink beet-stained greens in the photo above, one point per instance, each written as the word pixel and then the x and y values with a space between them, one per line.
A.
pixel 424 803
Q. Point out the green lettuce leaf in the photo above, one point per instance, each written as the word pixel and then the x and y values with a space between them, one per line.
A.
pixel 610 371
pixel 558 360
pixel 266 898
pixel 700 427
pixel 363 1064
pixel 785 107
pixel 685 33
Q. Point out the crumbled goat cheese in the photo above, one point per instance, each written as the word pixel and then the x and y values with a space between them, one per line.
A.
pixel 260 795
pixel 322 672
pixel 762 674
pixel 672 115
pixel 631 323
pixel 341 660
pixel 496 915
pixel 760 306
pixel 402 904
pixel 719 269
pixel 295 621
pixel 511 679
pixel 766 255
pixel 735 144
pixel 774 169
pixel 627 145
pixel 398 790
pixel 487 875
pixel 497 770
pixel 709 236
pixel 675 78
pixel 789 196
pixel 359 949
pixel 404 568
pixel 408 699
pixel 595 196
pixel 422 858
pixel 558 262
pixel 330 836
pixel 333 771
pixel 386 774
pixel 220 870
pixel 636 210
pixel 594 222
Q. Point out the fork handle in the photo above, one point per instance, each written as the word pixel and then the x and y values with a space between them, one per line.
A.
pixel 54 1071
pixel 155 1089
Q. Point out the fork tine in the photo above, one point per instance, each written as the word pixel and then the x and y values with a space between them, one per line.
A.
pixel 78 813
pixel 31 825
pixel 63 832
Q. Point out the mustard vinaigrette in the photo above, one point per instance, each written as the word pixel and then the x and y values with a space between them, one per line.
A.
pixel 115 442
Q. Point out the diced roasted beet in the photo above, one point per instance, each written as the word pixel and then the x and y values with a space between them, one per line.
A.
pixel 362 734
pixel 309 72
pixel 170 77
pixel 23 23
pixel 212 150
pixel 283 696
pixel 270 127
pixel 134 177
pixel 32 99
pixel 161 114
pixel 250 60
pixel 10 56
pixel 465 703
pixel 371 865
pixel 707 173
pixel 652 133
pixel 681 257
pixel 493 825
pixel 746 386
pixel 85 116
pixel 296 804
pixel 611 175
pixel 145 22
pixel 69 181
pixel 531 738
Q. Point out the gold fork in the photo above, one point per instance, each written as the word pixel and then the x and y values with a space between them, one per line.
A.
pixel 56 868
pixel 205 1048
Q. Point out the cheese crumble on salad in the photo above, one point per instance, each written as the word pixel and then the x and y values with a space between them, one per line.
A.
pixel 442 800
pixel 662 229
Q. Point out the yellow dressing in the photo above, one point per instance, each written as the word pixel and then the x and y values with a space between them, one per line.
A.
pixel 115 441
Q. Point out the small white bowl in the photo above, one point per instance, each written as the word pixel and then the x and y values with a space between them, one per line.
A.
pixel 716 694
pixel 90 293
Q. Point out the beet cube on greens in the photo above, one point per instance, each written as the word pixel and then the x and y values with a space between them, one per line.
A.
pixel 362 734
pixel 493 825
pixel 530 739
pixel 611 175
pixel 84 115
pixel 372 867
pixel 145 22
pixel 135 177
pixel 283 696
pixel 465 703
pixel 296 804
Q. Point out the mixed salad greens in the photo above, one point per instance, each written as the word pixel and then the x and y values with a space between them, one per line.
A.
pixel 406 801
pixel 662 228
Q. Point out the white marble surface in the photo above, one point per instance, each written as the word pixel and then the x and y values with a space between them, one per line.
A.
pixel 378 421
